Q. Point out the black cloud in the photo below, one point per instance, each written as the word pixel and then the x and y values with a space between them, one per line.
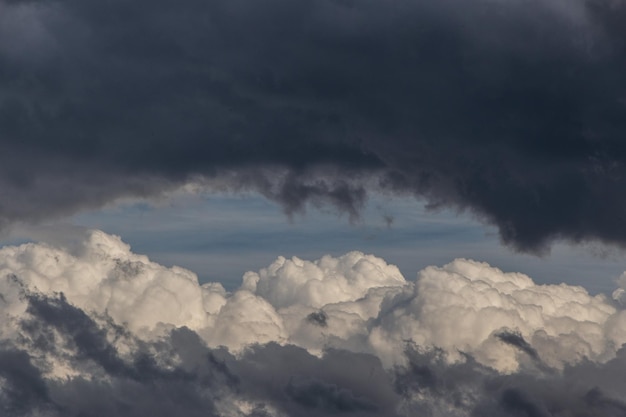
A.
pixel 318 318
pixel 514 110
pixel 517 340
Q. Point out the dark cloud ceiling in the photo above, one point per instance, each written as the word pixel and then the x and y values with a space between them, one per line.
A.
pixel 513 110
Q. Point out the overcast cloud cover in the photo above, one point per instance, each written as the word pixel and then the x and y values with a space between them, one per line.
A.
pixel 512 109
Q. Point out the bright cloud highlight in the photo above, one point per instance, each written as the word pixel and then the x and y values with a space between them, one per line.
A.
pixel 98 312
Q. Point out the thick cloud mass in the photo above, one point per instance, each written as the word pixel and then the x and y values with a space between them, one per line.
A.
pixel 511 109
pixel 94 329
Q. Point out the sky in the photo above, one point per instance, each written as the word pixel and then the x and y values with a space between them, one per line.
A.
pixel 222 236
pixel 312 208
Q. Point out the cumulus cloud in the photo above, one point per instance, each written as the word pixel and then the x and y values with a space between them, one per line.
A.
pixel 500 318
pixel 95 329
pixel 510 109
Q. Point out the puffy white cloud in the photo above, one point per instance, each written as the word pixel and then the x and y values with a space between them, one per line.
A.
pixel 307 338
pixel 327 302
pixel 103 276
pixel 356 302
pixel 325 281
pixel 465 306
pixel 245 319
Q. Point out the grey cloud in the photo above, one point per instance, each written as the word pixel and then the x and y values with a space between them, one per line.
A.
pixel 300 384
pixel 597 399
pixel 512 110
pixel 327 398
pixel 115 342
pixel 23 388
pixel 516 402
pixel 178 374
pixel 319 318
pixel 517 340
pixel 470 389
pixel 82 336
pixel 110 383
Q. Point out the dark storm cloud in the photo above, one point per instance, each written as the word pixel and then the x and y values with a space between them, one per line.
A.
pixel 514 110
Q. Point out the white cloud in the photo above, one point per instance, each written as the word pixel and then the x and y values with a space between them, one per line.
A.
pixel 463 306
pixel 325 281
pixel 356 302
pixel 301 338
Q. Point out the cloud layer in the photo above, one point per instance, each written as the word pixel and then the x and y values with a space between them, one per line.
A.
pixel 94 329
pixel 513 110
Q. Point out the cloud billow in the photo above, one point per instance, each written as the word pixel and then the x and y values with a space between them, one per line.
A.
pixel 512 110
pixel 98 330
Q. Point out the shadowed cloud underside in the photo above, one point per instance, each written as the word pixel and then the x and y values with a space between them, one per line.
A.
pixel 513 110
